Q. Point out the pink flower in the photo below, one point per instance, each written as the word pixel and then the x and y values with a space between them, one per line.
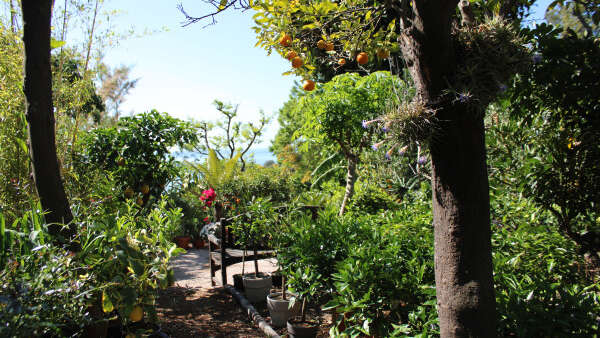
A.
pixel 209 203
pixel 205 219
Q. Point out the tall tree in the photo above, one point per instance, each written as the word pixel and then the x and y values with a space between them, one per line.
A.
pixel 40 115
pixel 456 73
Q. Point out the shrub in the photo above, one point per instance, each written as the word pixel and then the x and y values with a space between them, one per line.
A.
pixel 46 290
pixel 370 199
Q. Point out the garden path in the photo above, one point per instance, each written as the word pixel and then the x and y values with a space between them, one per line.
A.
pixel 192 270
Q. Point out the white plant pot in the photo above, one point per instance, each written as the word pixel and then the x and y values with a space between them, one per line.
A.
pixel 257 288
pixel 279 308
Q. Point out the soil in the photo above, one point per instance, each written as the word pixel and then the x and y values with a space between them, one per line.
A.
pixel 192 308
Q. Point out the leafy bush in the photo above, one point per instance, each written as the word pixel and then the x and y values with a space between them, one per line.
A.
pixel 388 277
pixel 124 259
pixel 258 181
pixel 137 152
pixel 377 270
pixel 44 290
pixel 540 287
pixel 370 199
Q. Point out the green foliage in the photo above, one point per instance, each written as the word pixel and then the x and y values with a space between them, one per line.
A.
pixel 233 138
pixel 15 184
pixel 44 293
pixel 269 183
pixel 352 27
pixel 124 259
pixel 581 17
pixel 377 270
pixel 563 172
pixel 217 172
pixel 539 287
pixel 75 95
pixel 129 256
pixel 137 151
pixel 370 199
pixel 334 112
pixel 388 277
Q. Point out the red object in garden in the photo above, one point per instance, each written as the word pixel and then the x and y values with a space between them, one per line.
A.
pixel 199 243
pixel 183 241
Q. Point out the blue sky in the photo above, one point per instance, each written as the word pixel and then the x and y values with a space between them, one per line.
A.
pixel 182 70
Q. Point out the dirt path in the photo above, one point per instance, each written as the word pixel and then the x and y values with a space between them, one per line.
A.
pixel 193 308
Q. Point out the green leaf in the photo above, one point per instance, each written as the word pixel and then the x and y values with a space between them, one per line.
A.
pixel 56 43
pixel 107 305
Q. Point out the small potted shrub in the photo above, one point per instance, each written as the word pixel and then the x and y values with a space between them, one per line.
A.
pixel 306 284
pixel 258 285
pixel 282 305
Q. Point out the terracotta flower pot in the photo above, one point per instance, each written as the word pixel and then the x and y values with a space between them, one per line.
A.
pixel 183 241
pixel 199 243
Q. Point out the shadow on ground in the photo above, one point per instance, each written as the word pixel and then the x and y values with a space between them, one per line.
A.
pixel 199 312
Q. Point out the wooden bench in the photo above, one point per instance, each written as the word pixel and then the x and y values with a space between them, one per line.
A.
pixel 221 254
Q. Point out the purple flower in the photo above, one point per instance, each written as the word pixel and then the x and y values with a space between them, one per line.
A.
pixel 463 97
pixel 385 129
pixel 365 124
pixel 536 58
pixel 388 156
pixel 422 160
pixel 377 145
pixel 402 150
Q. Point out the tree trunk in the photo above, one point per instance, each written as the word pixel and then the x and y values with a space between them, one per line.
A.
pixel 463 261
pixel 350 180
pixel 461 219
pixel 40 115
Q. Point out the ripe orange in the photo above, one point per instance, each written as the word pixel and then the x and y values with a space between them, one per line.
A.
pixel 136 314
pixel 309 85
pixel 329 46
pixel 297 62
pixel 290 55
pixel 362 58
pixel 321 44
pixel 145 189
pixel 341 61
pixel 383 53
pixel 285 40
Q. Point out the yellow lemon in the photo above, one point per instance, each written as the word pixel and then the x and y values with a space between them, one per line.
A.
pixel 136 314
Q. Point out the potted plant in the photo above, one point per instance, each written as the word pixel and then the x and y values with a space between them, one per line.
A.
pixel 258 285
pixel 306 284
pixel 282 305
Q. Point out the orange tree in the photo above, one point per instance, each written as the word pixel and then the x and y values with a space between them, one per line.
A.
pixel 458 63
pixel 137 152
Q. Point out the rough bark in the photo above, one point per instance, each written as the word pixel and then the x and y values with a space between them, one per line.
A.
pixel 463 262
pixel 40 116
pixel 350 180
